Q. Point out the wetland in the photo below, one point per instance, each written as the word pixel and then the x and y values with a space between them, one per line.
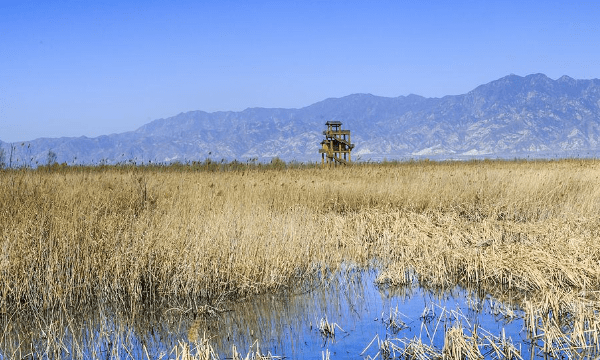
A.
pixel 480 259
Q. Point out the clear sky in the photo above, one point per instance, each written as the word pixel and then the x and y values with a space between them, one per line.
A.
pixel 72 68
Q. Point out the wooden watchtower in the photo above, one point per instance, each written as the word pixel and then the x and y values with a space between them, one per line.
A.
pixel 336 147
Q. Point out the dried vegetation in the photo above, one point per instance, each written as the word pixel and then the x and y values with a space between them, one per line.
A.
pixel 193 237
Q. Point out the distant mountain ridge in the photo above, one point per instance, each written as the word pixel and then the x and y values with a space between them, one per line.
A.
pixel 532 116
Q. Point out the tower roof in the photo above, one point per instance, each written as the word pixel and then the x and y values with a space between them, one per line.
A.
pixel 333 123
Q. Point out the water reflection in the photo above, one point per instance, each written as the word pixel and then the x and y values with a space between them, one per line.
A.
pixel 364 320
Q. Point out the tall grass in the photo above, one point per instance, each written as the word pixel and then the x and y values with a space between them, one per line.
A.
pixel 138 234
pixel 200 235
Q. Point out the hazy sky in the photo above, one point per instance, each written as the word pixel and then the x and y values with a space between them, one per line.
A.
pixel 72 68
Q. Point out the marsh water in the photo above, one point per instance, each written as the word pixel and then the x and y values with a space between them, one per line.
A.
pixel 348 318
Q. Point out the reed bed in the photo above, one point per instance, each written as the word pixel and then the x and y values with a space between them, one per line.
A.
pixel 196 238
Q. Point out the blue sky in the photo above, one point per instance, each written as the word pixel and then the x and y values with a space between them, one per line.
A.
pixel 72 68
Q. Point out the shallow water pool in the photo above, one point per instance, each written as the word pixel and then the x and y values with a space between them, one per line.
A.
pixel 349 318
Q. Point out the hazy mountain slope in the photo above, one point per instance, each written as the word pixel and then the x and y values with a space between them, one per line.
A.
pixel 513 116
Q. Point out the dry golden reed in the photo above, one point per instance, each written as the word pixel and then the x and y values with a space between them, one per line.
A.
pixel 137 234
pixel 527 231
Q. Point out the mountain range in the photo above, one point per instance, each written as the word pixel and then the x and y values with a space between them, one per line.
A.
pixel 512 117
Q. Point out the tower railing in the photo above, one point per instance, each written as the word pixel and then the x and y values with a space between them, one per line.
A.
pixel 337 147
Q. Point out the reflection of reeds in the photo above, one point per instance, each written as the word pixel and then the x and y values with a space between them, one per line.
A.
pixel 393 321
pixel 501 346
pixel 458 343
pixel 191 238
pixel 327 329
